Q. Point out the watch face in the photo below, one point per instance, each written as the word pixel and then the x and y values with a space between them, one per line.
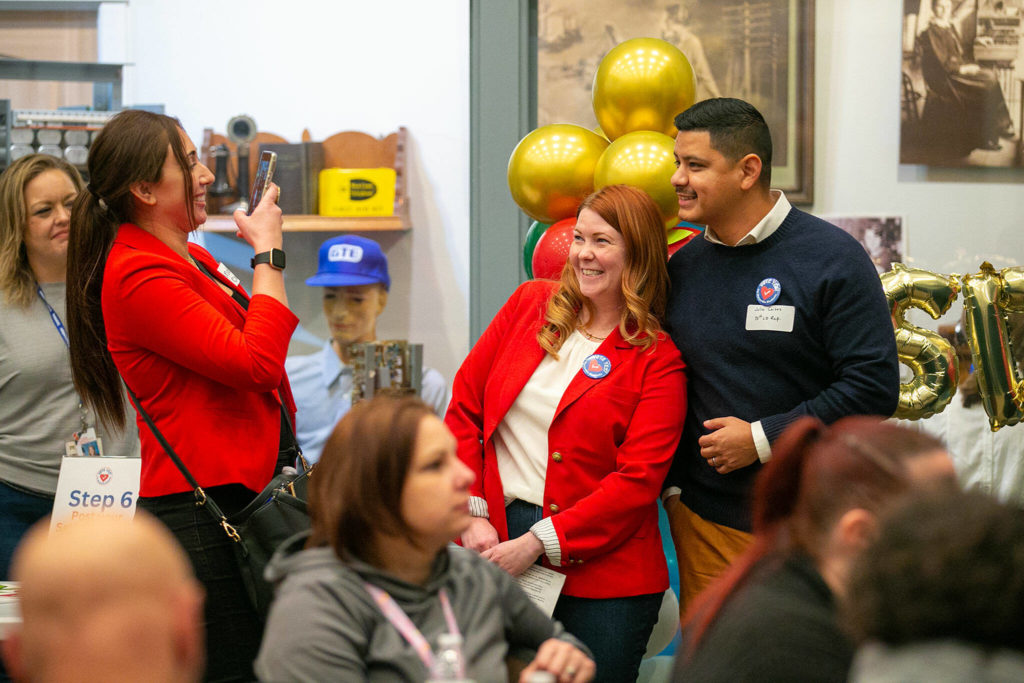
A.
pixel 277 259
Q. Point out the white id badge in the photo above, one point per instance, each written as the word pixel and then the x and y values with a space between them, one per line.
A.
pixel 226 272
pixel 771 318
pixel 89 487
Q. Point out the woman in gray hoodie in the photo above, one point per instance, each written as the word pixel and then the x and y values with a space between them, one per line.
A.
pixel 366 595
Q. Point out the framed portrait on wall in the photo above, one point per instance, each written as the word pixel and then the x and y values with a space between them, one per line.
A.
pixel 960 94
pixel 761 51
pixel 882 237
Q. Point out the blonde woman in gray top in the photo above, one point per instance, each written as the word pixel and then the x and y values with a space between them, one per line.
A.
pixel 39 409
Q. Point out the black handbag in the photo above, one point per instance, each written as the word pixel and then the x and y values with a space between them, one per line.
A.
pixel 278 512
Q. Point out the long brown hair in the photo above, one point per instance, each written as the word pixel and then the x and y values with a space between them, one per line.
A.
pixel 131 148
pixel 361 472
pixel 816 474
pixel 644 279
pixel 16 278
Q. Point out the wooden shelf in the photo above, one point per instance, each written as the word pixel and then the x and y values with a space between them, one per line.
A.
pixel 318 224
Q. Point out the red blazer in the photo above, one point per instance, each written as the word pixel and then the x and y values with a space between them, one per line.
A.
pixel 205 370
pixel 614 438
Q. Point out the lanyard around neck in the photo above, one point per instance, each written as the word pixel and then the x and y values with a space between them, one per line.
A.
pixel 401 621
pixel 59 324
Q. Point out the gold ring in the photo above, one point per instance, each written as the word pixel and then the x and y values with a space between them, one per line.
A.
pixel 570 671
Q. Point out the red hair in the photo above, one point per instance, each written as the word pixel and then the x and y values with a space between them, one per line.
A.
pixel 816 474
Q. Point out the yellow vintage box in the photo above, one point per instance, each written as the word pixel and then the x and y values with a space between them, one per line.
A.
pixel 357 192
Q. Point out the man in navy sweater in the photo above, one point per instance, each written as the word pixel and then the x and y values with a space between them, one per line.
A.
pixel 777 314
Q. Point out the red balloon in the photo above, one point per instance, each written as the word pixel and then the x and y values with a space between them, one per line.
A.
pixel 552 250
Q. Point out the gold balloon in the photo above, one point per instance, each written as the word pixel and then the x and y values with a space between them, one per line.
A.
pixel 645 160
pixel 551 170
pixel 932 358
pixel 642 84
pixel 999 382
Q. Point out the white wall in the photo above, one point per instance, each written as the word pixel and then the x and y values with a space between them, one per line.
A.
pixel 954 218
pixel 331 65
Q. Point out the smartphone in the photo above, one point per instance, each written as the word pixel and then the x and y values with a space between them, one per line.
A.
pixel 264 176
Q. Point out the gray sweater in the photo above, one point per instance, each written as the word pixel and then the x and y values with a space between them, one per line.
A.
pixel 324 626
pixel 38 404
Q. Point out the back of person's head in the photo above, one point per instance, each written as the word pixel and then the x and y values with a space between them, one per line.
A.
pixel 943 567
pixel 634 215
pixel 818 473
pixel 16 279
pixel 736 129
pixel 130 149
pixel 105 600
pixel 357 489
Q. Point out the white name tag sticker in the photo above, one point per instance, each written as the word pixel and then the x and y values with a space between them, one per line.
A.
pixel 226 272
pixel 771 318
pixel 91 486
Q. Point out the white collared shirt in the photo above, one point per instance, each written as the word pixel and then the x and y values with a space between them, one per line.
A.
pixel 764 228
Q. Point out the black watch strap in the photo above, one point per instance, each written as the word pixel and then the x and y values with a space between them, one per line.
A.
pixel 275 257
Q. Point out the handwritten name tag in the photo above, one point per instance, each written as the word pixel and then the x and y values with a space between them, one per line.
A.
pixel 772 318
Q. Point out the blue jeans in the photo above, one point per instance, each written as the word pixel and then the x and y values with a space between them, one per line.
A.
pixel 233 629
pixel 19 510
pixel 615 629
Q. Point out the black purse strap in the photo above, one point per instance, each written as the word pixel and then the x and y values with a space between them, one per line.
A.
pixel 244 303
pixel 201 498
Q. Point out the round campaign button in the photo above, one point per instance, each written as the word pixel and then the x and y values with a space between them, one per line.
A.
pixel 596 366
pixel 768 291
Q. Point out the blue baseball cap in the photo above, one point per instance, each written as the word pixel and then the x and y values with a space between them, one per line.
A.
pixel 351 260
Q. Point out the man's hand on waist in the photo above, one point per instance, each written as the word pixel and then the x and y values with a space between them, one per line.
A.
pixel 729 446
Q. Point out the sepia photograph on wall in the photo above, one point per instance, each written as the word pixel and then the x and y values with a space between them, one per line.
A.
pixel 761 51
pixel 961 83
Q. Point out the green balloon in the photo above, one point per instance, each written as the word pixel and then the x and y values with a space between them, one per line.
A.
pixel 532 237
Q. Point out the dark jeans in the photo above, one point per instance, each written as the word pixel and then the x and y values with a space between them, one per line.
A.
pixel 233 629
pixel 19 510
pixel 615 629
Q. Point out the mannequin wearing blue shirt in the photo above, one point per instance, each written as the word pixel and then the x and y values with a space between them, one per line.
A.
pixel 353 272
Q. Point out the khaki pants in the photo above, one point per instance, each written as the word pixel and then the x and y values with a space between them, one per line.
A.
pixel 703 550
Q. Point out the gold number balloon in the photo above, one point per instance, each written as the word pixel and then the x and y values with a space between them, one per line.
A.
pixel 999 382
pixel 931 357
pixel 645 160
pixel 642 84
pixel 551 170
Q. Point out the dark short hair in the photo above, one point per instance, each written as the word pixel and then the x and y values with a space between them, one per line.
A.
pixel 736 129
pixel 947 566
pixel 356 490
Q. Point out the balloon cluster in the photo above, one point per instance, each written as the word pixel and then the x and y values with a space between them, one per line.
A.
pixel 988 295
pixel 639 87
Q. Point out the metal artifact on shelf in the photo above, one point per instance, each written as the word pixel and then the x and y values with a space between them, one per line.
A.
pixel 392 366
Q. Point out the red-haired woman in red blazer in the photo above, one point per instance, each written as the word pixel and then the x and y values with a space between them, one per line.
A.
pixel 568 409
pixel 145 304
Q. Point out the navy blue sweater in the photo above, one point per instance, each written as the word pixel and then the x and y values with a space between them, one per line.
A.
pixel 840 359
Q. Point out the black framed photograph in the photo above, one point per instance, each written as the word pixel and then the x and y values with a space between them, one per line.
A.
pixel 960 93
pixel 882 237
pixel 761 51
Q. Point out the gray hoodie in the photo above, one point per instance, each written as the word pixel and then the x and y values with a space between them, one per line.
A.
pixel 324 626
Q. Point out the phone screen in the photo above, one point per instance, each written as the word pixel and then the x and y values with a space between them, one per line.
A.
pixel 264 175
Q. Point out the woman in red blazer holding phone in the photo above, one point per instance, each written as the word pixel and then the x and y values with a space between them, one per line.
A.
pixel 146 305
pixel 568 409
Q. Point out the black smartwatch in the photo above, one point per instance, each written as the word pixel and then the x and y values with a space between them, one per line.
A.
pixel 275 257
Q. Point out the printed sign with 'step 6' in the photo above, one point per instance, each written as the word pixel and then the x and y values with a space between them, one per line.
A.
pixel 94 486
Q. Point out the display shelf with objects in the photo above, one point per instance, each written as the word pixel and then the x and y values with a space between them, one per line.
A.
pixel 345 150
pixel 65 132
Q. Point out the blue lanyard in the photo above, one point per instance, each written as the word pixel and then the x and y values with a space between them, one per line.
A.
pixel 53 316
pixel 59 324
